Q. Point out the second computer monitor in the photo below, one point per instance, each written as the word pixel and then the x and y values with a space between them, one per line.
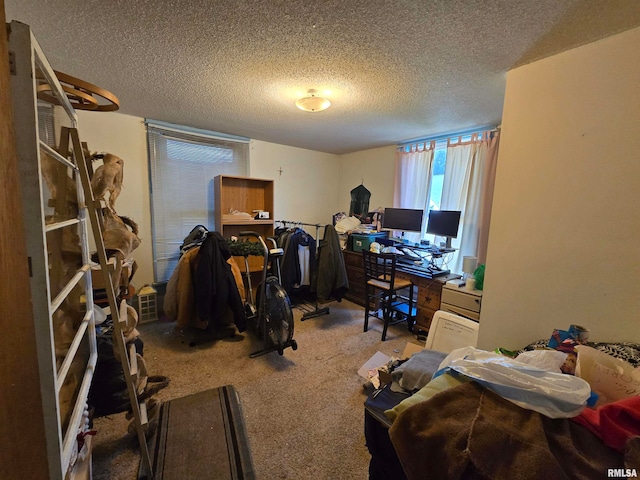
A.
pixel 402 219
pixel 444 223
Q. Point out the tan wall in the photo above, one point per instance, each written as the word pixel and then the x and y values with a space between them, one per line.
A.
pixel 307 188
pixel 564 242
pixel 311 188
pixel 375 169
pixel 125 136
pixel 306 191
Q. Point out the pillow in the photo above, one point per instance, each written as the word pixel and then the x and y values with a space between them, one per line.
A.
pixel 627 351
pixel 437 385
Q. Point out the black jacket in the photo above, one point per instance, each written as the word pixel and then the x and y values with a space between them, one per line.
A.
pixel 291 268
pixel 331 278
pixel 214 285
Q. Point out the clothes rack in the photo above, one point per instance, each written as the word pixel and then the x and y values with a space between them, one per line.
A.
pixel 309 310
pixel 292 223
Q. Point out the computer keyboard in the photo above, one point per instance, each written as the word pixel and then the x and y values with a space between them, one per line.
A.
pixel 410 253
pixel 437 273
pixel 422 270
pixel 406 260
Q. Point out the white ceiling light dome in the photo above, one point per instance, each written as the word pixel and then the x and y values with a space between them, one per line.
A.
pixel 313 102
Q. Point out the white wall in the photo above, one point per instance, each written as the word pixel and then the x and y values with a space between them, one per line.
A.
pixel 564 243
pixel 306 189
pixel 125 136
pixel 375 168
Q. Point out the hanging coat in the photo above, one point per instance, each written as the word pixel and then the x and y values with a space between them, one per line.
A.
pixel 214 285
pixel 331 278
pixel 291 265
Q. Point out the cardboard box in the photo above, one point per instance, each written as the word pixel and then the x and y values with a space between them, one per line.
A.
pixel 410 349
pixel 362 241
pixel 371 369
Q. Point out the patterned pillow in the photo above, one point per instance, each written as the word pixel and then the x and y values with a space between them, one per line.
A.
pixel 630 352
pixel 627 351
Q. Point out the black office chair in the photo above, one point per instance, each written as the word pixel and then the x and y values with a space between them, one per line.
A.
pixel 383 292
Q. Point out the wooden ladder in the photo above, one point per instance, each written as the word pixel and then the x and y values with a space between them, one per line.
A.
pixel 126 355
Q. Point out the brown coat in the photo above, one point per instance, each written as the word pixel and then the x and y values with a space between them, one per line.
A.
pixel 179 300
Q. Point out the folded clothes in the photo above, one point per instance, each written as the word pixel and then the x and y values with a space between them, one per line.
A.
pixel 416 372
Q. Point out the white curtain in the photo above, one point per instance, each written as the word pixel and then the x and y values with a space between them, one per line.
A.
pixel 468 187
pixel 488 158
pixel 412 183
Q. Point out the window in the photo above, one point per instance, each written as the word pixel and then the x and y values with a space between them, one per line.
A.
pixel 437 176
pixel 183 163
pixel 453 172
pixel 437 182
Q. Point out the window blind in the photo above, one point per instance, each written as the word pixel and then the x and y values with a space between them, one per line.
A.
pixel 182 166
pixel 46 128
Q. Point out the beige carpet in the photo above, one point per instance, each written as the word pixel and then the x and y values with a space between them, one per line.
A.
pixel 303 411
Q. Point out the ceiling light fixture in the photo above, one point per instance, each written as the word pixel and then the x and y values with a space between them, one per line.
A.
pixel 312 102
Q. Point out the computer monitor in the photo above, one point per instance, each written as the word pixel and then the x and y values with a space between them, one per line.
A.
pixel 444 223
pixel 402 219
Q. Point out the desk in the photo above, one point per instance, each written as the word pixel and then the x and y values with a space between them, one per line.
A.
pixel 428 290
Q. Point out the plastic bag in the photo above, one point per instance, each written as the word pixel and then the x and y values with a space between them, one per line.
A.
pixel 555 395
pixel 549 360
pixel 478 274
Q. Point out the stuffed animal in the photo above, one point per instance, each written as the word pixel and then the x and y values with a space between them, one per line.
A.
pixel 107 178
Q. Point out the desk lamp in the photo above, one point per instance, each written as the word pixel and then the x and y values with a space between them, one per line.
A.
pixel 469 265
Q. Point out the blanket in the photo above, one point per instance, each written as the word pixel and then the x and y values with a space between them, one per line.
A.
pixel 470 432
pixel 615 423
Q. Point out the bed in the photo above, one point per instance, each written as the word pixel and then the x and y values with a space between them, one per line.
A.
pixel 467 431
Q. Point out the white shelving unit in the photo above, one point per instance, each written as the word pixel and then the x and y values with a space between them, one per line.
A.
pixel 55 219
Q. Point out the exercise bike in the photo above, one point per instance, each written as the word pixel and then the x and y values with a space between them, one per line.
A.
pixel 270 316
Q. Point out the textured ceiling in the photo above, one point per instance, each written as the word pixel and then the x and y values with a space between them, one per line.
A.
pixel 395 70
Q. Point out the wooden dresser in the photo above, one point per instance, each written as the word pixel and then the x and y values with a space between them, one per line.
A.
pixel 429 290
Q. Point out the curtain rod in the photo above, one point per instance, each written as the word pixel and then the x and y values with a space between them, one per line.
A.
pixel 183 129
pixel 447 136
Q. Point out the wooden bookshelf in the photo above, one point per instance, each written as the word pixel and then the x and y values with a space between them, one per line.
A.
pixel 243 194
